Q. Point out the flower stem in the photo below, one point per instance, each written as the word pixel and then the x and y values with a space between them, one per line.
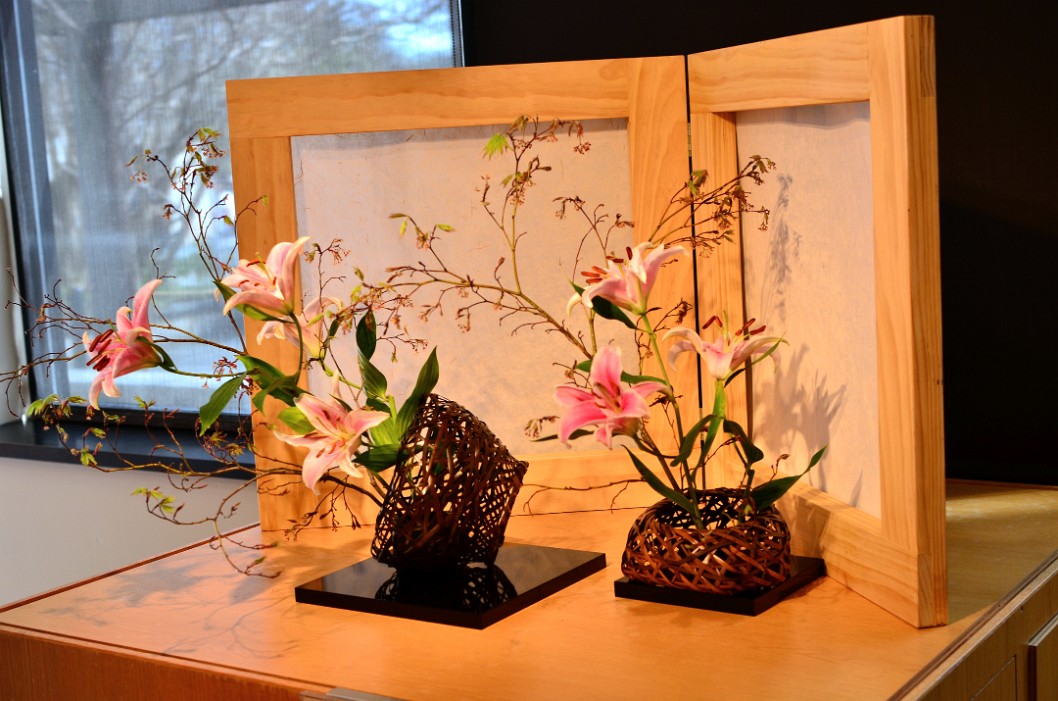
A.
pixel 688 474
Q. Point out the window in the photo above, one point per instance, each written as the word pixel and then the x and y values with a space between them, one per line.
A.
pixel 88 84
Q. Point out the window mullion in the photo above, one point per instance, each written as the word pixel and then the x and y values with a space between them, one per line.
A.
pixel 29 199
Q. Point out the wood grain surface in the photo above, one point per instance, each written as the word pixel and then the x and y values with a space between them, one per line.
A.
pixel 190 616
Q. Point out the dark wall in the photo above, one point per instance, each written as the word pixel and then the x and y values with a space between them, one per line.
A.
pixel 997 105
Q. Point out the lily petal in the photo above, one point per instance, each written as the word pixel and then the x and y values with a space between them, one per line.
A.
pixel 613 406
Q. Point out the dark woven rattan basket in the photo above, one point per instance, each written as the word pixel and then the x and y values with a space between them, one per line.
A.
pixel 666 549
pixel 448 504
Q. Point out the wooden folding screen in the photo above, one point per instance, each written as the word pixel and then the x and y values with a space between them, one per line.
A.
pixel 897 559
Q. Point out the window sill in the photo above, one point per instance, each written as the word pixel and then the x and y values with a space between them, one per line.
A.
pixel 30 441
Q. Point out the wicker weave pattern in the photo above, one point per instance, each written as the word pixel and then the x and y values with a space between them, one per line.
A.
pixel 447 505
pixel 727 557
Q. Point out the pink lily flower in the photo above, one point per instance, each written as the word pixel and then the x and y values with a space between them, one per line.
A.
pixel 726 355
pixel 335 437
pixel 123 349
pixel 267 287
pixel 614 406
pixel 627 283
pixel 314 321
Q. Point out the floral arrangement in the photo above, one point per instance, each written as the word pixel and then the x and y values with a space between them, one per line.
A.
pixel 614 289
pixel 353 433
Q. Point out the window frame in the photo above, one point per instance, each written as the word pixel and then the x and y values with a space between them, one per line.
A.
pixel 27 199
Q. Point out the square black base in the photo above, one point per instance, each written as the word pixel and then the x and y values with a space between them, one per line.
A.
pixel 802 571
pixel 475 596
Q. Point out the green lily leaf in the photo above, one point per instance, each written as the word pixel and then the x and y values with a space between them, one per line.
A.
pixel 166 361
pixel 816 457
pixel 271 381
pixel 258 401
pixel 689 440
pixel 579 433
pixel 376 404
pixel 211 410
pixel 296 420
pixel 380 457
pixel 225 291
pixel 752 453
pixel 713 430
pixel 374 381
pixel 607 309
pixel 660 487
pixel 261 371
pixel 366 335
pixel 719 409
pixel 770 492
pixel 285 389
pixel 386 433
pixel 636 379
pixel 429 373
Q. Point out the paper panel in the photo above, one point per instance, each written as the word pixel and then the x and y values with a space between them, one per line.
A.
pixel 810 278
pixel 348 185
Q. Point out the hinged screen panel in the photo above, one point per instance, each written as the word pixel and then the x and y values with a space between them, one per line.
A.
pixel 896 556
pixel 648 94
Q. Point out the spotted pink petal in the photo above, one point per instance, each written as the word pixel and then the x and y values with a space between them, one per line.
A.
pixel 616 288
pixel 613 406
pixel 268 287
pixel 141 304
pixel 124 349
pixel 721 359
pixel 359 421
pixel 655 260
pixel 322 456
pixel 606 369
pixel 579 415
pixel 628 284
pixel 325 416
pixel 335 438
pixel 283 263
pixel 265 302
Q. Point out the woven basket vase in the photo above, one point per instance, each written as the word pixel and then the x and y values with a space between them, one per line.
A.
pixel 666 549
pixel 447 504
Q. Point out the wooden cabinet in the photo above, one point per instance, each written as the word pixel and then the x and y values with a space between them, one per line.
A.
pixel 1043 662
pixel 1002 687
pixel 1011 650
pixel 1011 654
pixel 186 625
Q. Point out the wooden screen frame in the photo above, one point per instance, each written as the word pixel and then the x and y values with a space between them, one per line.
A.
pixel 897 559
pixel 264 115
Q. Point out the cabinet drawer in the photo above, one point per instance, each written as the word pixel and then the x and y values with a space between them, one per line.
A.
pixel 1043 662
